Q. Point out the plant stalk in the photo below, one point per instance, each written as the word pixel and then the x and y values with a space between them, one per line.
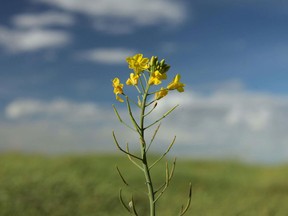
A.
pixel 148 179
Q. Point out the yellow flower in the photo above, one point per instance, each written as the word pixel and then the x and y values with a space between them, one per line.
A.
pixel 161 93
pixel 133 80
pixel 118 88
pixel 138 63
pixel 156 77
pixel 176 84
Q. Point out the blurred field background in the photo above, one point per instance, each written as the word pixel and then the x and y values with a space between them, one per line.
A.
pixel 86 185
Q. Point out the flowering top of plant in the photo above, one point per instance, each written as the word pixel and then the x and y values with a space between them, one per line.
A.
pixel 147 74
pixel 150 72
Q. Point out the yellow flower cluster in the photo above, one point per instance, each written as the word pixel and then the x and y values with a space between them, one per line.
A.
pixel 133 80
pixel 118 88
pixel 156 72
pixel 138 63
pixel 156 77
pixel 176 84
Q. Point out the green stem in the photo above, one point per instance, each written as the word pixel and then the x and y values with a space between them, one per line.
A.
pixel 148 179
pixel 149 186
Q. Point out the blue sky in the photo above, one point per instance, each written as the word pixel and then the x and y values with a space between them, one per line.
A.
pixel 58 58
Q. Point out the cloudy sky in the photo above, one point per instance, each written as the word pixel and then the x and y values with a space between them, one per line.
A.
pixel 58 57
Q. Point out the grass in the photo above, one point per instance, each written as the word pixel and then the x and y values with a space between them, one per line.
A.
pixel 35 185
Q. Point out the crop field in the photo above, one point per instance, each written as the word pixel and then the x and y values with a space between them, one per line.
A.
pixel 72 185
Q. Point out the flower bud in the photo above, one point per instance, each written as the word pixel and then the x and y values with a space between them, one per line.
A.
pixel 153 60
pixel 165 68
pixel 157 63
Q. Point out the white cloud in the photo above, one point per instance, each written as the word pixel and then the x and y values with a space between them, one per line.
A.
pixel 126 13
pixel 38 20
pixel 239 124
pixel 57 126
pixel 54 137
pixel 17 41
pixel 106 55
pixel 256 119
pixel 235 124
pixel 57 109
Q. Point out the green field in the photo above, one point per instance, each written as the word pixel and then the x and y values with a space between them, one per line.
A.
pixel 33 185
